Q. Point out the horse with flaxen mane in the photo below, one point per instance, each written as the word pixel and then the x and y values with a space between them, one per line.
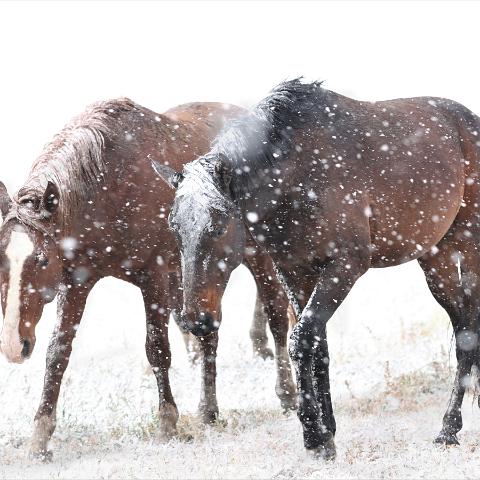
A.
pixel 90 208
pixel 329 187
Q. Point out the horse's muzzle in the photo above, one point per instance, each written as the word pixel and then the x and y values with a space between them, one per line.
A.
pixel 200 326
pixel 16 351
pixel 26 349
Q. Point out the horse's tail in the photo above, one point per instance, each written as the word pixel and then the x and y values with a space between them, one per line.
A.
pixel 468 125
pixel 472 148
pixel 471 152
pixel 473 134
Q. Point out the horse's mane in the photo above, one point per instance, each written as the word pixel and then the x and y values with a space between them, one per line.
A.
pixel 260 140
pixel 73 161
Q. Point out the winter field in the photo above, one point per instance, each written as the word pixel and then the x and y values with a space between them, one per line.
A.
pixel 391 349
pixel 392 368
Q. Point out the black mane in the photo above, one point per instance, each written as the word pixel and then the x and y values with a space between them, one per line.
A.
pixel 259 140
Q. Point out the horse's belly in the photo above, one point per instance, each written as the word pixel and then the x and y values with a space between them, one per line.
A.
pixel 408 233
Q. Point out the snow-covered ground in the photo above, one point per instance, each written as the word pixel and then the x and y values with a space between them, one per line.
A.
pixel 391 376
pixel 390 343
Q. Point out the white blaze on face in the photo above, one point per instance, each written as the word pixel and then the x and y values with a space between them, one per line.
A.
pixel 18 250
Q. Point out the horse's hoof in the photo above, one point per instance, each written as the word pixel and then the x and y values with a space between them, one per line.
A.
pixel 165 434
pixel 326 452
pixel 264 353
pixel 167 419
pixel 38 444
pixel 43 455
pixel 208 417
pixel 446 439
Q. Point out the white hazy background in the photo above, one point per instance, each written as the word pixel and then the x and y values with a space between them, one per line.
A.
pixel 56 58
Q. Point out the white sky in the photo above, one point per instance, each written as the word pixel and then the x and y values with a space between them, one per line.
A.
pixel 56 58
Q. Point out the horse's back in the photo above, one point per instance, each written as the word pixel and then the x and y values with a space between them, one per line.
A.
pixel 211 113
pixel 422 162
pixel 407 158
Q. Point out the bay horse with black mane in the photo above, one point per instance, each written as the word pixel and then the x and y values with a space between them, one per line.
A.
pixel 90 208
pixel 329 186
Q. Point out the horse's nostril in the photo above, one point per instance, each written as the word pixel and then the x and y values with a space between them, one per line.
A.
pixel 206 319
pixel 26 349
pixel 201 326
pixel 207 324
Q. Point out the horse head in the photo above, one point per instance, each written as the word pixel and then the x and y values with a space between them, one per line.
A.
pixel 29 266
pixel 210 235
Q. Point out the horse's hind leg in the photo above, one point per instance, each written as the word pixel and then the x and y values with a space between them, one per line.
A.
pixel 275 302
pixel 71 304
pixel 158 350
pixel 175 304
pixel 276 306
pixel 452 276
pixel 204 350
pixel 191 342
pixel 258 330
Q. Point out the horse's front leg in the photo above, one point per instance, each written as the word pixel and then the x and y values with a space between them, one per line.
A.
pixel 309 350
pixel 71 301
pixel 208 407
pixel 155 292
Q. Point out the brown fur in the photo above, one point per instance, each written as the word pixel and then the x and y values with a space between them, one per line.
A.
pixel 339 186
pixel 93 209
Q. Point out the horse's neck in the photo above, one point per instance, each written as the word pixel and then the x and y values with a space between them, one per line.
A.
pixel 261 199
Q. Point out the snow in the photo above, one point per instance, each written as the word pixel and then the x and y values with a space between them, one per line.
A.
pixel 392 370
pixel 390 343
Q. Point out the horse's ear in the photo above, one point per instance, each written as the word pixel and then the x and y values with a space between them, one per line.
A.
pixel 5 200
pixel 51 197
pixel 168 174
pixel 223 171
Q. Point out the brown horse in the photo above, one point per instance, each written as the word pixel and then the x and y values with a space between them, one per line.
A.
pixel 329 187
pixel 90 208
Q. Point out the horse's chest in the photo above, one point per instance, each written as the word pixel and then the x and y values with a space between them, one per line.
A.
pixel 295 237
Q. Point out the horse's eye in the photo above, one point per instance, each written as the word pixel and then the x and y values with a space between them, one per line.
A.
pixel 33 203
pixel 217 231
pixel 41 260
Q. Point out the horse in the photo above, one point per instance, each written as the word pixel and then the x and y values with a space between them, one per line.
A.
pixel 329 187
pixel 90 209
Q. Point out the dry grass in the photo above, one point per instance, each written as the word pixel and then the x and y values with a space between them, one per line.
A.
pixel 407 391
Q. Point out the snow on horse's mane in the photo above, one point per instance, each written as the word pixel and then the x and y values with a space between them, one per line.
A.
pixel 199 184
pixel 74 159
